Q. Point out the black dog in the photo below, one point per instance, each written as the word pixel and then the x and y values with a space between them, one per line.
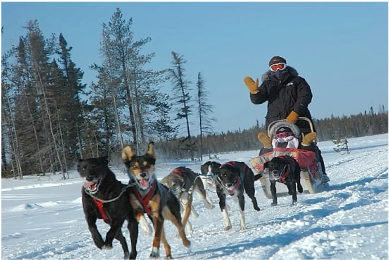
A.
pixel 233 178
pixel 286 170
pixel 104 197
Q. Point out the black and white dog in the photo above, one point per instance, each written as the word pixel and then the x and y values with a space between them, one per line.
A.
pixel 183 182
pixel 286 170
pixel 233 179
pixel 207 174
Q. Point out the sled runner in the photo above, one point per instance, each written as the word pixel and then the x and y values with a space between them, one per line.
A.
pixel 311 171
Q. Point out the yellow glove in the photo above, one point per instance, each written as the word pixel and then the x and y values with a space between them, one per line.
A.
pixel 265 140
pixel 308 138
pixel 251 85
pixel 292 117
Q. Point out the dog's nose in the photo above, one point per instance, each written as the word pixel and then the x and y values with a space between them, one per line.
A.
pixel 142 174
pixel 230 184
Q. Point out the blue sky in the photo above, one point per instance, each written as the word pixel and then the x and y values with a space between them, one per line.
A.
pixel 341 49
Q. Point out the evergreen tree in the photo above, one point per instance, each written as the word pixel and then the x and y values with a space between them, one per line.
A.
pixel 71 103
pixel 125 67
pixel 204 111
pixel 182 98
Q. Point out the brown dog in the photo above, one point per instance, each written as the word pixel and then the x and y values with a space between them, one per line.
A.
pixel 149 196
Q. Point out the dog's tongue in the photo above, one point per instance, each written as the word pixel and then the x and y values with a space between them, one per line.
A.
pixel 144 183
pixel 89 184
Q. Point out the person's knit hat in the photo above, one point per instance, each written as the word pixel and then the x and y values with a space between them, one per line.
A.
pixel 284 130
pixel 276 59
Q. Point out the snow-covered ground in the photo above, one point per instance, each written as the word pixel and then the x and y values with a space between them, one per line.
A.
pixel 42 217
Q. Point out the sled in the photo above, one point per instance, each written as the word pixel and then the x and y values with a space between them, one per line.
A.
pixel 311 172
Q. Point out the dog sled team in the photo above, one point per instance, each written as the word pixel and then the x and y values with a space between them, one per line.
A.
pixel 104 197
pixel 289 162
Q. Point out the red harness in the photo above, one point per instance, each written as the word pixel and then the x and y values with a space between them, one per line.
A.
pixel 144 201
pixel 286 173
pixel 177 172
pixel 99 205
pixel 232 163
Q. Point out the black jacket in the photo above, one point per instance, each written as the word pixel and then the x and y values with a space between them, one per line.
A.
pixel 292 93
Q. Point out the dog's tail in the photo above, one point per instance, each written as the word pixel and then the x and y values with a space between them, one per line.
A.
pixel 257 176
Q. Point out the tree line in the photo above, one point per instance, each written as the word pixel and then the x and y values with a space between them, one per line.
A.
pixel 50 118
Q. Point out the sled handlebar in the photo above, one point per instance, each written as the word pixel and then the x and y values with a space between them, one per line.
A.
pixel 284 120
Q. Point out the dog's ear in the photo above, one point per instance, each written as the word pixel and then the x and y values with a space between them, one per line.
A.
pixel 104 159
pixel 127 154
pixel 150 150
pixel 266 165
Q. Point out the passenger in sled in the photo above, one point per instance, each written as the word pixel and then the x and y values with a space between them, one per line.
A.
pixel 288 96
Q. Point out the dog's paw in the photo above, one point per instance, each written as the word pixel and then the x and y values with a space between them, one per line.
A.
pixel 127 256
pixel 145 226
pixel 187 243
pixel 209 205
pixel 106 247
pixel 273 204
pixel 132 255
pixel 227 228
pixel 257 208
pixel 154 253
pixel 99 244
pixel 169 257
pixel 243 228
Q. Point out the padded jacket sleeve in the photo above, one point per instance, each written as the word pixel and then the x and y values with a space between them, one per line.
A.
pixel 261 96
pixel 304 97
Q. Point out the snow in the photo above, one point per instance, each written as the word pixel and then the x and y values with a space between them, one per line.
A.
pixel 42 217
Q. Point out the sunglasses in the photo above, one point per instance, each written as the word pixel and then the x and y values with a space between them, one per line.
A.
pixel 277 66
pixel 283 135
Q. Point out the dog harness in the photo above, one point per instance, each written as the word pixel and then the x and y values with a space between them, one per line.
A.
pixel 181 171
pixel 286 170
pixel 144 201
pixel 99 205
pixel 242 170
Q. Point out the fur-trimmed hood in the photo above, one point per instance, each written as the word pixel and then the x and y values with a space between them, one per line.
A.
pixel 267 76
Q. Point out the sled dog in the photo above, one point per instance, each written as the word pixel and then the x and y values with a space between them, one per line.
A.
pixel 104 197
pixel 207 176
pixel 182 181
pixel 233 178
pixel 151 197
pixel 286 170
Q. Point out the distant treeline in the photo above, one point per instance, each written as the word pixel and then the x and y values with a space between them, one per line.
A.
pixel 363 124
